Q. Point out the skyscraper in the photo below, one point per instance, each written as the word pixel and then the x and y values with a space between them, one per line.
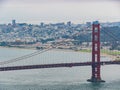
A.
pixel 69 23
pixel 13 22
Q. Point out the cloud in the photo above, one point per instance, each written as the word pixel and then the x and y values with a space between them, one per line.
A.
pixel 56 10
pixel 55 1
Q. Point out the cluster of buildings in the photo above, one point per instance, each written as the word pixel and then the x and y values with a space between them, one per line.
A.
pixel 23 34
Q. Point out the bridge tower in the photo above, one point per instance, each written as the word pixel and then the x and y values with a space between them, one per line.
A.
pixel 95 53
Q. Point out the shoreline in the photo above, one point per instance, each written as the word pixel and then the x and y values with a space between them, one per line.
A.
pixel 103 54
pixel 18 47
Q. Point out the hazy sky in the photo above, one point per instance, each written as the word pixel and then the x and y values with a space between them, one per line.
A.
pixel 77 11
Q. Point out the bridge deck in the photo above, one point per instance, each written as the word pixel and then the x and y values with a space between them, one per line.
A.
pixel 9 68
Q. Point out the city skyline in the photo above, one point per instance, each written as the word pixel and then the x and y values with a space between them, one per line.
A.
pixel 76 11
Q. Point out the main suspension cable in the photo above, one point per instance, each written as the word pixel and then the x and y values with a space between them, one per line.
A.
pixel 24 57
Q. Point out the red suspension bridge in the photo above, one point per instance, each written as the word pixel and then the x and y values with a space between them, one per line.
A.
pixel 95 63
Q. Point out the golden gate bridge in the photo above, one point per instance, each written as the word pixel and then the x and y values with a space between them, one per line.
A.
pixel 95 63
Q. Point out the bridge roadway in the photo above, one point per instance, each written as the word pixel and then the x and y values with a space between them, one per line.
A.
pixel 9 68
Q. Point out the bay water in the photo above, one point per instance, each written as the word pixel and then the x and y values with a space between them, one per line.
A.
pixel 66 78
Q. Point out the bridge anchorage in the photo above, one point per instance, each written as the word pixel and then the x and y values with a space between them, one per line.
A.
pixel 95 53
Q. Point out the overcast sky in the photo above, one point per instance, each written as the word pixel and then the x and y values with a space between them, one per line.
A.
pixel 77 11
